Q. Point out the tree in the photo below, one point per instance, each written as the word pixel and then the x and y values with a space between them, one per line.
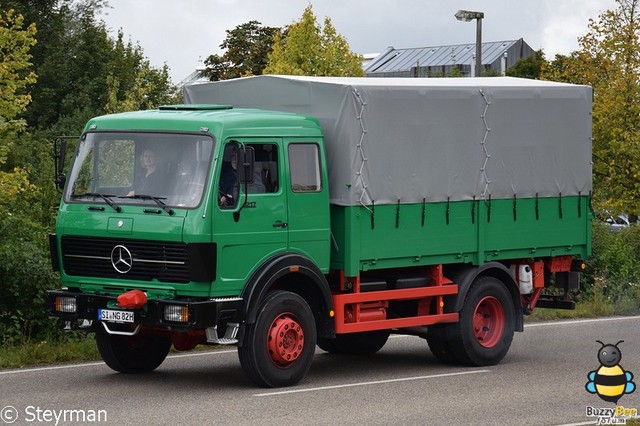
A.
pixel 247 48
pixel 22 270
pixel 133 84
pixel 609 61
pixel 529 67
pixel 306 49
pixel 15 73
pixel 81 72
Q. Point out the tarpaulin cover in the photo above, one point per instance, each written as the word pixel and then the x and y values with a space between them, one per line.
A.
pixel 433 139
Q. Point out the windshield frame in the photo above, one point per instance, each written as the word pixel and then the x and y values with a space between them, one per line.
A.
pixel 174 146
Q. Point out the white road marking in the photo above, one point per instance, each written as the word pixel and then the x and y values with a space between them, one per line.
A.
pixel 376 382
pixel 581 321
pixel 93 364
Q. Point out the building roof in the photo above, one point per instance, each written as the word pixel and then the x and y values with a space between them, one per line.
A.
pixel 393 60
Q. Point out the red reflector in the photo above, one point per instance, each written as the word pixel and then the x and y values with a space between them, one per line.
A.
pixel 132 299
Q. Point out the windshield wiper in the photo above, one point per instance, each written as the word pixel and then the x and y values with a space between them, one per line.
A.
pixel 106 199
pixel 157 200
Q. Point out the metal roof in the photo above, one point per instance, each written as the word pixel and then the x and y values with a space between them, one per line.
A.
pixel 406 59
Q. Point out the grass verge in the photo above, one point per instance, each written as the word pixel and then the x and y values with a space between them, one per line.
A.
pixel 49 352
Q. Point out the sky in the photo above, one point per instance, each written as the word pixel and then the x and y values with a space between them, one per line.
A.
pixel 182 33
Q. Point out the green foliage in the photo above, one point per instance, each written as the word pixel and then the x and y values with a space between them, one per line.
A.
pixel 247 48
pixel 529 67
pixel 68 348
pixel 613 271
pixel 609 61
pixel 83 69
pixel 81 73
pixel 307 49
pixel 15 76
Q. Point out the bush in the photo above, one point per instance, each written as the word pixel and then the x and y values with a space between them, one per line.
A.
pixel 25 274
pixel 613 270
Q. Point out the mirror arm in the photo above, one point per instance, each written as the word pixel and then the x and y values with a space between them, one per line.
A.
pixel 236 215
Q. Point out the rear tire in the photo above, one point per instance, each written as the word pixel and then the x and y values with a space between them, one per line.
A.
pixel 141 353
pixel 438 343
pixel 485 330
pixel 277 350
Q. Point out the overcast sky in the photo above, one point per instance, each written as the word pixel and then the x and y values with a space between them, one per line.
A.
pixel 182 33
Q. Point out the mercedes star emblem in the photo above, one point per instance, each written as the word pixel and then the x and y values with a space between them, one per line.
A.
pixel 121 259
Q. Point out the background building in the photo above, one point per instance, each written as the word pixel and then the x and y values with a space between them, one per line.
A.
pixel 442 60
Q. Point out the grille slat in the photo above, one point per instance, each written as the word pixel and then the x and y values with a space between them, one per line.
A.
pixel 91 257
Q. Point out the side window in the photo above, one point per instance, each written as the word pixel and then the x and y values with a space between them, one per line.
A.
pixel 228 188
pixel 265 173
pixel 304 163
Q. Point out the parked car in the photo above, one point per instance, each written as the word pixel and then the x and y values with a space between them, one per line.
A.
pixel 616 223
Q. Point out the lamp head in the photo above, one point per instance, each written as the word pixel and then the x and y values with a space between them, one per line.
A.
pixel 468 15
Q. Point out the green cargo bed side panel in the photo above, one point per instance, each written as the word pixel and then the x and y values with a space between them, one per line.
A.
pixel 392 236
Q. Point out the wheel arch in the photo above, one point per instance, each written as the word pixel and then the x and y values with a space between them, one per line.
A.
pixel 465 275
pixel 295 273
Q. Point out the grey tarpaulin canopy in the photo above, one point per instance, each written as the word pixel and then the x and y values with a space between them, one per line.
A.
pixel 409 139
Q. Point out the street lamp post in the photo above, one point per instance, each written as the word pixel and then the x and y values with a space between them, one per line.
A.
pixel 468 16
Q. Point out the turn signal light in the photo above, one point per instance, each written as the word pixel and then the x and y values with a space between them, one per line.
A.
pixel 578 265
pixel 176 313
pixel 65 304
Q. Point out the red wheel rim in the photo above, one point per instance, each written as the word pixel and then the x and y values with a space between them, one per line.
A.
pixel 488 322
pixel 285 340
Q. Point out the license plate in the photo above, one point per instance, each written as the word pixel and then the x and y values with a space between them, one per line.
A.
pixel 115 316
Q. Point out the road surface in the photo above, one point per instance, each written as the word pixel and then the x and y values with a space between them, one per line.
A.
pixel 540 382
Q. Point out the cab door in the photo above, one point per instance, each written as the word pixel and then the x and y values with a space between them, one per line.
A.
pixel 254 227
pixel 308 201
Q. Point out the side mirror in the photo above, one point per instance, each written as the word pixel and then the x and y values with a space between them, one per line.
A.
pixel 59 152
pixel 246 163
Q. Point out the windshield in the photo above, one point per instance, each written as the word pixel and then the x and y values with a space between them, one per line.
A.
pixel 141 168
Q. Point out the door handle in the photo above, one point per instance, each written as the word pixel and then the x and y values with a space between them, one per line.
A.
pixel 280 224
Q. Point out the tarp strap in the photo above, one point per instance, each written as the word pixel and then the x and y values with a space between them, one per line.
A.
pixel 448 208
pixel 473 210
pixel 372 210
pixel 560 205
pixel 579 203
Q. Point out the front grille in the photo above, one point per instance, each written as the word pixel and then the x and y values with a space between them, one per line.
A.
pixel 136 259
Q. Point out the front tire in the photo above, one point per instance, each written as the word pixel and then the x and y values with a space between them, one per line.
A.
pixel 141 353
pixel 277 350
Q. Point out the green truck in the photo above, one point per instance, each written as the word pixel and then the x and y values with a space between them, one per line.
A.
pixel 281 213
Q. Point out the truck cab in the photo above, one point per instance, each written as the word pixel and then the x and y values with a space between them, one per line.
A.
pixel 169 217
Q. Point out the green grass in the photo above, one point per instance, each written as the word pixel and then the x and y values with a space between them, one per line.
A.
pixel 586 309
pixel 46 353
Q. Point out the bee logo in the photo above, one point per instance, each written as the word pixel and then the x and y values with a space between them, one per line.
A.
pixel 610 381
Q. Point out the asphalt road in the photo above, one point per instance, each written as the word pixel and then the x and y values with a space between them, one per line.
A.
pixel 540 382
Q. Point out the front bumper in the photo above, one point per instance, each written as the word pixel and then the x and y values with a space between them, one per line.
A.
pixel 203 313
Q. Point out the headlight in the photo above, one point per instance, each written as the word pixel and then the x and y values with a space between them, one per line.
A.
pixel 176 313
pixel 65 304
